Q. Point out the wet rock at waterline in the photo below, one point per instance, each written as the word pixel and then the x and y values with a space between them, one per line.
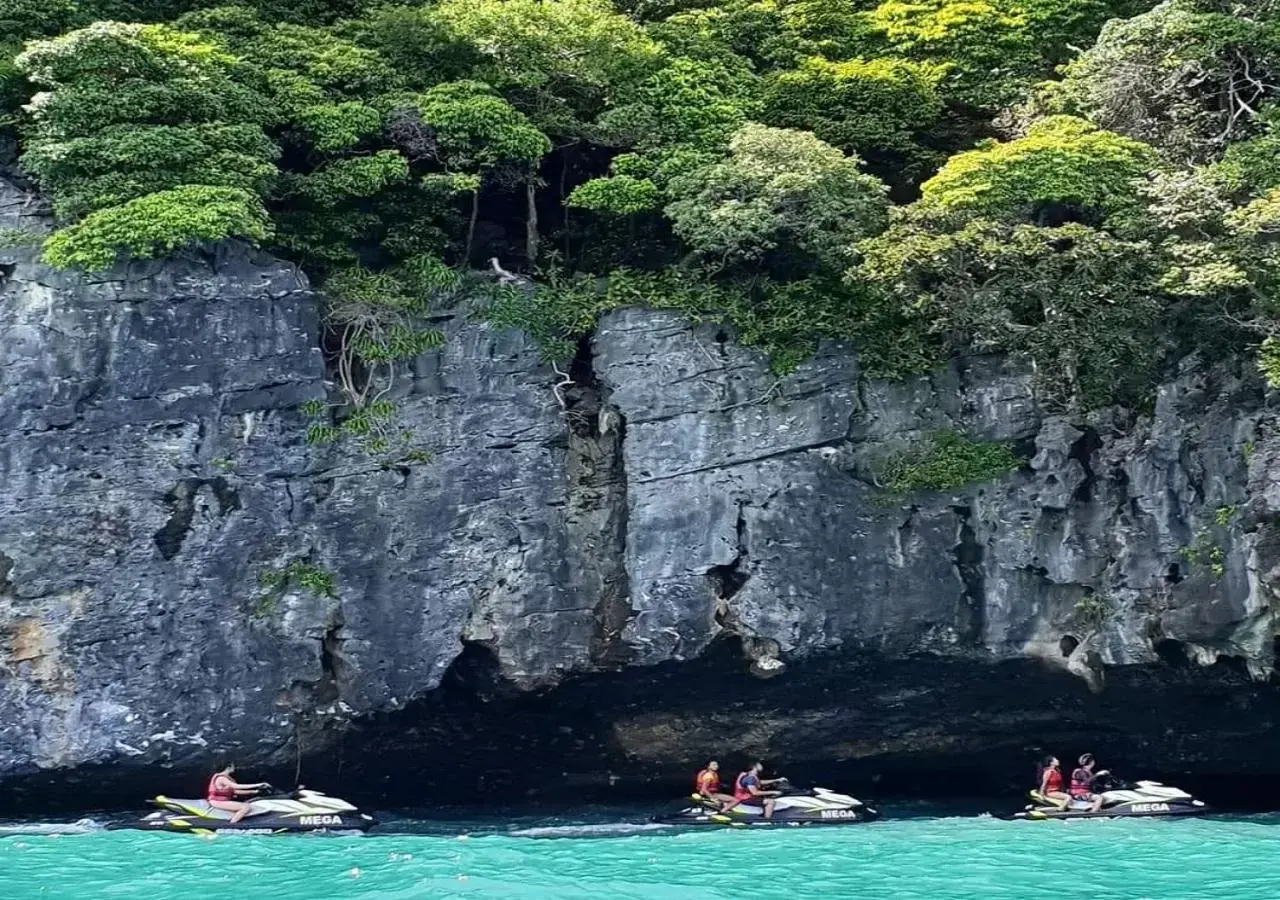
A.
pixel 664 551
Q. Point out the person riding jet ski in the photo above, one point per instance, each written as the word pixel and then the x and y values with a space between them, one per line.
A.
pixel 707 786
pixel 223 792
pixel 749 786
pixel 1082 782
pixel 1102 795
pixel 1049 781
pixel 791 807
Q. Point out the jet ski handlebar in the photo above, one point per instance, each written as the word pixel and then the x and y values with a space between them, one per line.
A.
pixel 1105 781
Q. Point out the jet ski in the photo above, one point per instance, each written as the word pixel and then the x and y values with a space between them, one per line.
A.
pixel 300 811
pixel 816 806
pixel 1120 799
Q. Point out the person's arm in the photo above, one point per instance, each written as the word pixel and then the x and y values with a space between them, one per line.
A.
pixel 1044 781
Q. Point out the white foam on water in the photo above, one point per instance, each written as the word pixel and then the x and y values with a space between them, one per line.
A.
pixel 80 826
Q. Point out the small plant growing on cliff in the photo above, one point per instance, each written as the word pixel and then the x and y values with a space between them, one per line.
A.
pixel 378 322
pixel 298 574
pixel 373 429
pixel 1223 515
pixel 1206 554
pixel 1093 610
pixel 13 238
pixel 947 461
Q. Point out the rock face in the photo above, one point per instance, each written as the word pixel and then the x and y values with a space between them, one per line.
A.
pixel 609 570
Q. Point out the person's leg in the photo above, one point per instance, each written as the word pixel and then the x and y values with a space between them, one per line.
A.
pixel 1058 798
pixel 235 807
pixel 1097 802
pixel 768 807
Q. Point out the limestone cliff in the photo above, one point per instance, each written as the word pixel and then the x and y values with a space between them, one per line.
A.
pixel 666 551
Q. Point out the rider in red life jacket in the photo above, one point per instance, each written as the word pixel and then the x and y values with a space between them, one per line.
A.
pixel 224 791
pixel 1050 787
pixel 707 785
pixel 747 786
pixel 1082 782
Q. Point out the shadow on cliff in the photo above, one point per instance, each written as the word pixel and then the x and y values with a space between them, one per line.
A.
pixel 924 727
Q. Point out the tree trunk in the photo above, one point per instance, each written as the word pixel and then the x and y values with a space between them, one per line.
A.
pixel 564 179
pixel 471 226
pixel 531 221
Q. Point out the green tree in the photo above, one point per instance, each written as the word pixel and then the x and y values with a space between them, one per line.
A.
pixel 36 18
pixel 474 133
pixel 879 109
pixel 1179 78
pixel 1006 250
pixel 1080 303
pixel 781 199
pixel 556 60
pixel 676 119
pixel 1062 169
pixel 132 111
pixel 993 49
pixel 158 224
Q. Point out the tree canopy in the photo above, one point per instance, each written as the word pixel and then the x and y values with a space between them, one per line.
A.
pixel 1091 185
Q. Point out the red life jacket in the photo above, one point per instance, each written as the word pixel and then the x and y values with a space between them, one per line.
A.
pixel 1081 782
pixel 1054 782
pixel 217 792
pixel 740 791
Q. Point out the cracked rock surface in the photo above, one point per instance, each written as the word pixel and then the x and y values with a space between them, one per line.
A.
pixel 675 499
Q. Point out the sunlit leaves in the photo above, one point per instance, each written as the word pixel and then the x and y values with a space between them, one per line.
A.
pixel 1063 168
pixel 777 191
pixel 157 225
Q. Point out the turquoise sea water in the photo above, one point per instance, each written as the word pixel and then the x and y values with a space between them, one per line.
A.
pixel 939 859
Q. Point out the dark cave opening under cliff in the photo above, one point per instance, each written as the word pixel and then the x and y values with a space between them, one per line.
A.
pixel 924 728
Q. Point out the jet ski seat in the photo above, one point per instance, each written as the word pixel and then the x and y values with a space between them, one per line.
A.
pixel 200 807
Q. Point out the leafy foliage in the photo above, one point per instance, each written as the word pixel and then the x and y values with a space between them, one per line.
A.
pixel 991 48
pixel 1188 77
pixel 1063 169
pixel 906 175
pixel 1079 302
pixel 946 461
pixel 558 58
pixel 157 224
pixel 149 135
pixel 877 108
pixel 298 575
pixel 780 197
